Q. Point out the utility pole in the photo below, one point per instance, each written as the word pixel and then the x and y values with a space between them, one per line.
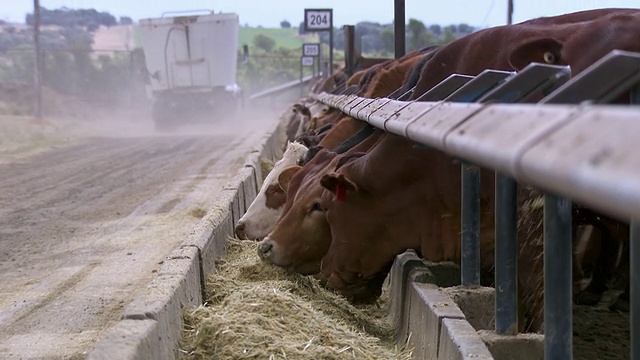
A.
pixel 37 69
pixel 510 12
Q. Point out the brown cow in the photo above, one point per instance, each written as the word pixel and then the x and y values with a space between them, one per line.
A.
pixel 389 200
pixel 512 47
pixel 489 61
pixel 380 81
pixel 298 241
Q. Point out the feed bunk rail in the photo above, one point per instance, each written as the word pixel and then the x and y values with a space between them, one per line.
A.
pixel 569 144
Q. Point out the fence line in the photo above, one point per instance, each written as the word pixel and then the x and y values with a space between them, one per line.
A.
pixel 581 149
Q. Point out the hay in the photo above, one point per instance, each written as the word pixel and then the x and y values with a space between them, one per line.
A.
pixel 265 166
pixel 257 311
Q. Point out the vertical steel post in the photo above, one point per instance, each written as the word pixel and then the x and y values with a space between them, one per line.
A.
pixel 320 71
pixel 506 255
pixel 37 67
pixel 634 284
pixel 470 258
pixel 509 12
pixel 634 267
pixel 331 46
pixel 349 49
pixel 558 305
pixel 301 76
pixel 399 27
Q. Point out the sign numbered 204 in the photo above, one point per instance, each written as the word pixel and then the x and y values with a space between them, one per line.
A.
pixel 318 19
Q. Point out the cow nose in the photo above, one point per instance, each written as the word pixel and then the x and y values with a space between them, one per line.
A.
pixel 240 230
pixel 264 249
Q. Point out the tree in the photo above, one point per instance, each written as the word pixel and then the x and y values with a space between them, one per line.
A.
pixel 447 36
pixel 92 26
pixel 285 24
pixel 388 40
pixel 419 36
pixel 465 29
pixel 125 20
pixel 264 42
pixel 436 29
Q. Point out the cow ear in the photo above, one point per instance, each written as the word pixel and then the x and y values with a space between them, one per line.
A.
pixel 285 176
pixel 338 184
pixel 305 111
pixel 542 50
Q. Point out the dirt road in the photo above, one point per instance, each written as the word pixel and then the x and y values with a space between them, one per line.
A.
pixel 83 228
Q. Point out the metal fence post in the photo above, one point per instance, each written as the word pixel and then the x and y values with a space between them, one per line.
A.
pixel 506 255
pixel 349 49
pixel 634 279
pixel 470 258
pixel 558 303
pixel 634 267
pixel 399 27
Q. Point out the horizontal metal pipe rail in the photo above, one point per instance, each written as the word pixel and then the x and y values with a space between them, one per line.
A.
pixel 281 88
pixel 584 152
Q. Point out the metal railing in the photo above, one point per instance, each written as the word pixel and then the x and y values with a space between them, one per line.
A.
pixel 282 88
pixel 569 144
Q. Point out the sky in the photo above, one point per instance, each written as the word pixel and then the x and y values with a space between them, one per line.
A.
pixel 269 13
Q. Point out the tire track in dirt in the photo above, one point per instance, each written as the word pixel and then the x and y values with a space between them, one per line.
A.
pixel 81 232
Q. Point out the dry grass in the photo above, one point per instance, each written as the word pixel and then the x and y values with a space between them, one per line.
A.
pixel 257 311
pixel 198 212
pixel 265 166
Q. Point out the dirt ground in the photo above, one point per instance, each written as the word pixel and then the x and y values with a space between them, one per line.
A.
pixel 599 333
pixel 88 212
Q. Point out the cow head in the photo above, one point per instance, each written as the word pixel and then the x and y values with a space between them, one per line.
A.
pixel 301 236
pixel 266 208
pixel 297 120
pixel 383 203
pixel 356 263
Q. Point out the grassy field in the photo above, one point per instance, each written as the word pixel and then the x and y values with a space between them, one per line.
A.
pixel 286 38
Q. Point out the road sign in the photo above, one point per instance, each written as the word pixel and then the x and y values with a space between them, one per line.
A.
pixel 307 60
pixel 310 49
pixel 318 19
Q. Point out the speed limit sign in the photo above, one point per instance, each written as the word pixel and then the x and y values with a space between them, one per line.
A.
pixel 310 49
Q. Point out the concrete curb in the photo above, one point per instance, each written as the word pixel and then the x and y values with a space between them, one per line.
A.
pixel 151 325
pixel 441 320
pixel 459 340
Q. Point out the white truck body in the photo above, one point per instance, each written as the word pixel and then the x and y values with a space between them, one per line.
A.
pixel 191 53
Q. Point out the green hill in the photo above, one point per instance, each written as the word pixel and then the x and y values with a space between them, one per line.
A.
pixel 286 38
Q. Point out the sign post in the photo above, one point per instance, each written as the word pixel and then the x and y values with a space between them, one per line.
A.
pixel 312 49
pixel 321 20
pixel 304 61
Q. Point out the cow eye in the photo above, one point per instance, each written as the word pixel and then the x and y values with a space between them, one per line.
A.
pixel 315 207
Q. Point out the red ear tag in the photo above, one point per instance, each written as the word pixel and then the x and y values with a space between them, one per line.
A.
pixel 341 195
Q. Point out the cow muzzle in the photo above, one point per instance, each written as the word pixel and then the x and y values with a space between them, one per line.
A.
pixel 240 228
pixel 265 248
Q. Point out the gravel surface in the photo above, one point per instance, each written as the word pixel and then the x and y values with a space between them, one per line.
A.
pixel 85 225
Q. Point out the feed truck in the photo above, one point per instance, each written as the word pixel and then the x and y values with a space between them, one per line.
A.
pixel 191 63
